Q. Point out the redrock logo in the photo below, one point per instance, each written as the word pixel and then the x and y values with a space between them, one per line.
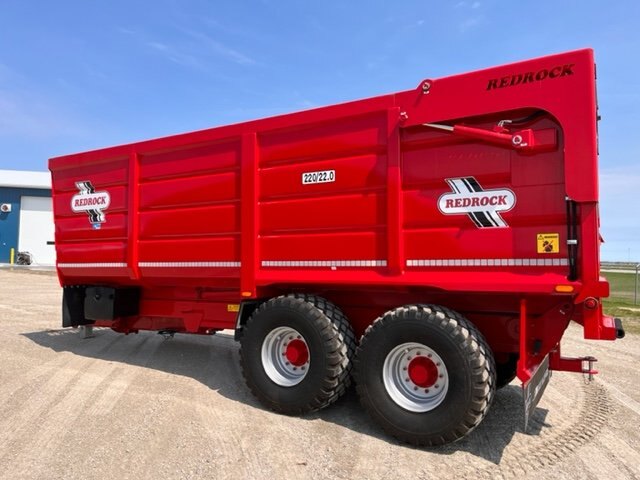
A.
pixel 91 202
pixel 529 77
pixel 482 206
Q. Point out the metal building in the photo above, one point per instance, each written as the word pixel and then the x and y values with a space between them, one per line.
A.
pixel 26 218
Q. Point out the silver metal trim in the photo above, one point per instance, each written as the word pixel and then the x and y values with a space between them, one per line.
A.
pixel 324 263
pixel 189 264
pixel 93 265
pixel 489 262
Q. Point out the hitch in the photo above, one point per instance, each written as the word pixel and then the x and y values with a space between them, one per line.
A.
pixel 582 365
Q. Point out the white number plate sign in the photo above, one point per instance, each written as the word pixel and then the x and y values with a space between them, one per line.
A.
pixel 324 176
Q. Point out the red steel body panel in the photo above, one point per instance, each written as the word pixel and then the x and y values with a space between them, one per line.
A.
pixel 206 219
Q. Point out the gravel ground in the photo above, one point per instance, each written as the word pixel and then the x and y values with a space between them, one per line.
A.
pixel 139 407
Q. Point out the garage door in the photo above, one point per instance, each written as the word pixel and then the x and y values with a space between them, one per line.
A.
pixel 36 229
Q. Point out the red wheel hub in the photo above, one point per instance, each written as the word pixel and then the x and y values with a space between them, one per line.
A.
pixel 297 352
pixel 423 372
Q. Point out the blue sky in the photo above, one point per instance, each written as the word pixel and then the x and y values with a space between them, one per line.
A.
pixel 77 75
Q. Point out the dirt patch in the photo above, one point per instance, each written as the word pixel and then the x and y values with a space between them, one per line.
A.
pixel 139 406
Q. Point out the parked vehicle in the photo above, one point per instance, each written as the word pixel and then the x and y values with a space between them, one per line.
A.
pixel 433 243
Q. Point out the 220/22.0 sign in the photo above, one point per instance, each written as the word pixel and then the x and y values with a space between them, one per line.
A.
pixel 323 176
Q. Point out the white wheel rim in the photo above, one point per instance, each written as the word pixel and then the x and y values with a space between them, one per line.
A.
pixel 279 360
pixel 419 386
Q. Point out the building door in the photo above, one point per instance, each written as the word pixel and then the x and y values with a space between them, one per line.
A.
pixel 36 231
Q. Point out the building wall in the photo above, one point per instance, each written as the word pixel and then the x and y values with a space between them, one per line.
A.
pixel 10 221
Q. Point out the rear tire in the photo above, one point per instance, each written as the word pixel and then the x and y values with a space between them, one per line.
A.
pixel 425 374
pixel 296 353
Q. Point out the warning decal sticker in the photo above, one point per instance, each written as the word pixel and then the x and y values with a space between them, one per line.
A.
pixel 548 243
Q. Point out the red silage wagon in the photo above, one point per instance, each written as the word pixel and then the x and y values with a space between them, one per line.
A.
pixel 433 243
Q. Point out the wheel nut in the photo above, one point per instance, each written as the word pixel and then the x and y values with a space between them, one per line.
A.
pixel 404 368
pixel 406 379
pixel 298 337
pixel 429 355
pixel 437 364
pixel 287 363
pixel 415 388
pixel 426 390
pixel 441 376
pixel 295 368
pixel 436 386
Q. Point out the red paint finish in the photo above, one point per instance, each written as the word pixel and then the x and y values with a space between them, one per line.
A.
pixel 423 372
pixel 297 353
pixel 206 219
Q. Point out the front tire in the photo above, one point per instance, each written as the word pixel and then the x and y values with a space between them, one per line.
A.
pixel 425 374
pixel 296 353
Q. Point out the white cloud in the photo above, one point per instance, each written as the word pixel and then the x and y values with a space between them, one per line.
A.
pixel 195 49
pixel 465 4
pixel 469 23
pixel 220 49
pixel 175 55
pixel 126 31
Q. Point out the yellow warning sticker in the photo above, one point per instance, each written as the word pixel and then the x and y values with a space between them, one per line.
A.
pixel 548 243
pixel 233 307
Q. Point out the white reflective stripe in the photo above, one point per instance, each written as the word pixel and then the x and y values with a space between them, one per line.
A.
pixel 189 264
pixel 92 265
pixel 489 262
pixel 324 263
pixel 457 262
pixel 152 264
